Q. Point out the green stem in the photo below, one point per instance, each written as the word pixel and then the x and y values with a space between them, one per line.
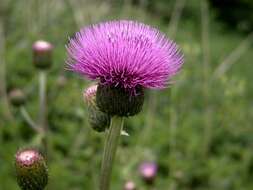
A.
pixel 3 93
pixel 111 143
pixel 206 76
pixel 29 120
pixel 42 108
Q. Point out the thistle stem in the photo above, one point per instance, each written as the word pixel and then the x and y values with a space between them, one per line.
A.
pixel 208 134
pixel 111 143
pixel 29 120
pixel 42 107
pixel 3 93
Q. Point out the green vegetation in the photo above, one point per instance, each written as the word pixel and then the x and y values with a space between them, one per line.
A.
pixel 199 130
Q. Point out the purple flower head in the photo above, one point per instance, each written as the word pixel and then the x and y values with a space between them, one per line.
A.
pixel 124 53
pixel 148 171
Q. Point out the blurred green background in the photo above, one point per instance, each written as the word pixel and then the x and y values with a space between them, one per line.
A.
pixel 199 131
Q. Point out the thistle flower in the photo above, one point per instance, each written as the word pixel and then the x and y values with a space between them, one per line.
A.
pixel 124 53
pixel 125 57
pixel 148 171
pixel 98 120
pixel 31 170
pixel 42 54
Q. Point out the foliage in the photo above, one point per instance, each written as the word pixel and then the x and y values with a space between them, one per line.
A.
pixel 199 131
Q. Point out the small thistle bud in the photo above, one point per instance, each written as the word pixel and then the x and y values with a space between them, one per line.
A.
pixel 129 185
pixel 42 54
pixel 148 172
pixel 98 120
pixel 17 97
pixel 31 170
pixel 61 81
pixel 90 95
pixel 119 101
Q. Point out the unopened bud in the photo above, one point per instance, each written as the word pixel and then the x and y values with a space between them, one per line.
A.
pixel 130 185
pixel 31 170
pixel 42 54
pixel 148 172
pixel 90 95
pixel 17 97
pixel 61 81
pixel 97 119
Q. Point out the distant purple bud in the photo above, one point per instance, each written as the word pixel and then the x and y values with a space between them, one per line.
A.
pixel 130 185
pixel 42 54
pixel 31 170
pixel 148 171
pixel 61 81
pixel 17 97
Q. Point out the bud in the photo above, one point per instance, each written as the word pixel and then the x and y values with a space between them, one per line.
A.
pixel 31 170
pixel 61 81
pixel 90 95
pixel 17 97
pixel 98 120
pixel 119 101
pixel 148 172
pixel 129 185
pixel 42 54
